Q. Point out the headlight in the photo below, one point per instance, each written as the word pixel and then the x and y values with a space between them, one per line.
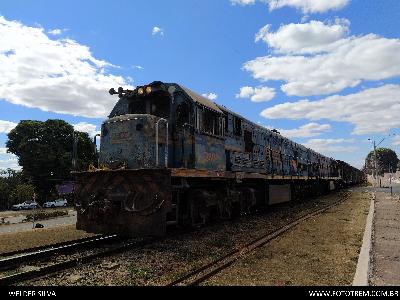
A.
pixel 148 90
pixel 140 91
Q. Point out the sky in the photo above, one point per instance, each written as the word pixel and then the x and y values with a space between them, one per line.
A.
pixel 326 74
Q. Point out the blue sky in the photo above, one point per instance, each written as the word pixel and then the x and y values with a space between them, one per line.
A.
pixel 324 73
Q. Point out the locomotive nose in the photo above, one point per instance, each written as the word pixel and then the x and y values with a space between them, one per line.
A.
pixel 134 142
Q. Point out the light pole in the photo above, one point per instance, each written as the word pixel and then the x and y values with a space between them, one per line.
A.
pixel 75 151
pixel 375 171
pixel 375 159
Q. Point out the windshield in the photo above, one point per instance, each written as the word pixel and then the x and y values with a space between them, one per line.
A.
pixel 156 104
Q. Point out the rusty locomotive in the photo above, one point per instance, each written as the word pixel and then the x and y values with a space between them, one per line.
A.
pixel 171 156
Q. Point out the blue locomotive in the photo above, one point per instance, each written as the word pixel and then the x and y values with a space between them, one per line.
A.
pixel 171 156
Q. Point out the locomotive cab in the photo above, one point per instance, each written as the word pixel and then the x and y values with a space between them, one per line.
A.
pixel 160 126
pixel 136 134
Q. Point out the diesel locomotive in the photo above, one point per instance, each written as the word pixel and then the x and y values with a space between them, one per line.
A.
pixel 171 156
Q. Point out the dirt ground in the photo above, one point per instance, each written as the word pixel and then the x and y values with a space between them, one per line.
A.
pixel 39 237
pixel 320 251
pixel 323 251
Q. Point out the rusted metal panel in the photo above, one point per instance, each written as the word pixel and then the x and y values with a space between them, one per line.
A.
pixel 209 153
pixel 193 173
pixel 129 202
pixel 279 193
pixel 130 141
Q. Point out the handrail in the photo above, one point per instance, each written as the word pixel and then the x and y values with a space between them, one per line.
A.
pixel 166 147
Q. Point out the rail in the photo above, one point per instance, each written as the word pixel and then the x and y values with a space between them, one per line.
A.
pixel 69 263
pixel 205 272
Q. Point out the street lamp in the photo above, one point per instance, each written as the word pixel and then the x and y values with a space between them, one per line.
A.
pixel 375 158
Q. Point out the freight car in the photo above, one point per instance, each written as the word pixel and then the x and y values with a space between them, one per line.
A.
pixel 170 156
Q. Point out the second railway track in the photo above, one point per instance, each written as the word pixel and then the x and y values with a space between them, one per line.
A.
pixel 203 273
pixel 113 243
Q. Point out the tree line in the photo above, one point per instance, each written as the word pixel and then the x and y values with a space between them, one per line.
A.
pixel 386 161
pixel 44 151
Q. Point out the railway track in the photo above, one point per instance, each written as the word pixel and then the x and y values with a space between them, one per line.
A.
pixel 12 259
pixel 116 244
pixel 201 274
pixel 113 243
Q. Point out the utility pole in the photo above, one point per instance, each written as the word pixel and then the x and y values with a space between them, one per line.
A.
pixel 74 151
pixel 34 211
pixel 375 170
pixel 376 160
pixel 375 166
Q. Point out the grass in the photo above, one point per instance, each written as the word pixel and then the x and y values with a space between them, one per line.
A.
pixel 39 237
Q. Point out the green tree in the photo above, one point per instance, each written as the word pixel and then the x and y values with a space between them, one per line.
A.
pixel 22 192
pixel 44 151
pixel 386 159
pixel 9 180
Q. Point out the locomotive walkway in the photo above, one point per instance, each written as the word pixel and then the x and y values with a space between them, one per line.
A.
pixel 385 252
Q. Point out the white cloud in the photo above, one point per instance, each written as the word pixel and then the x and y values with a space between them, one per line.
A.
pixel 243 2
pixel 308 6
pixel 138 67
pixel 311 37
pixel 374 110
pixel 8 160
pixel 307 130
pixel 327 146
pixel 54 75
pixel 258 94
pixel 330 62
pixel 87 127
pixel 11 163
pixel 157 30
pixel 211 96
pixel 6 126
pixel 56 31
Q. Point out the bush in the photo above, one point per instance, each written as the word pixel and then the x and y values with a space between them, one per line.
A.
pixel 44 215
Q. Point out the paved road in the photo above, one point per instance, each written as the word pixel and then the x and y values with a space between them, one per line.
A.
pixel 64 220
pixel 395 188
pixel 385 254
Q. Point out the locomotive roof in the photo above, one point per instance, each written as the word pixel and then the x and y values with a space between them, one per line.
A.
pixel 201 99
